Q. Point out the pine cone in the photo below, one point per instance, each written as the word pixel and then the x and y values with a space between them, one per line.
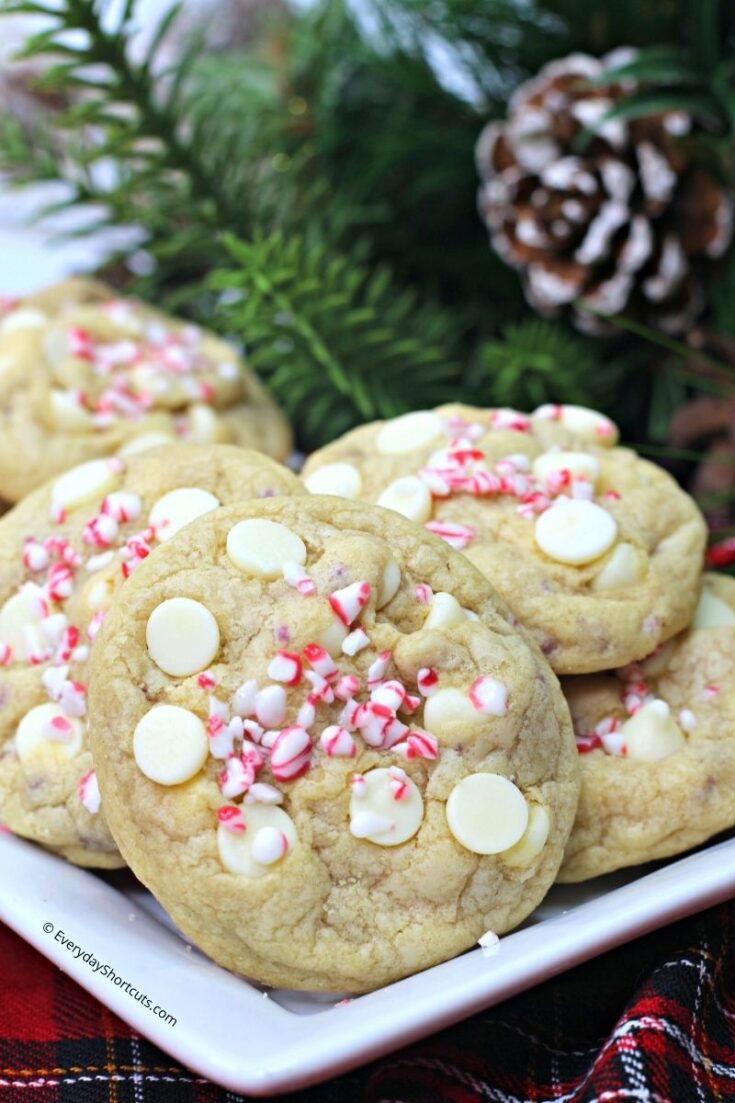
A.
pixel 629 225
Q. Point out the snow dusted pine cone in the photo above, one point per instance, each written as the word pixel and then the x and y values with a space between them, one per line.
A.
pixel 626 223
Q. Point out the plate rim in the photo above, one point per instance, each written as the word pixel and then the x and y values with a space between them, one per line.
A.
pixel 392 1017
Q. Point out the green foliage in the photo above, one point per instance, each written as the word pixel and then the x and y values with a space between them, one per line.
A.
pixel 536 361
pixel 336 340
pixel 253 174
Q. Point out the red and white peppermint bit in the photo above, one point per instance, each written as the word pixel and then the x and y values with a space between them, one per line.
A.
pixel 321 689
pixel 391 693
pixel 263 793
pixel 410 703
pixel 95 624
pixel 510 419
pixel 73 699
pixel 427 681
pixel 347 686
pixel 398 783
pixel 269 846
pixel 243 702
pixel 371 720
pixel 89 793
pixel 336 742
pixel 306 715
pixel 359 785
pixel 270 706
pixel 6 654
pixel 424 594
pixel 393 733
pixel 321 661
pixel 35 555
pixel 253 730
pixel 295 575
pixel 349 602
pixel 533 504
pixel 550 411
pixel 457 536
pixel 205 680
pixel 236 778
pixel 377 669
pixel 286 668
pixel 291 753
pixel 611 495
pixel 230 816
pixel 588 743
pixel 356 641
pixel 418 744
pixel 122 506
pixel 348 716
pixel 59 582
pixel 490 696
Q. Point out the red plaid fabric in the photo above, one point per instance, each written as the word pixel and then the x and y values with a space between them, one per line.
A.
pixel 652 1022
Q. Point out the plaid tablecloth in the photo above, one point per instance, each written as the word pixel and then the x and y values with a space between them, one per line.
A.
pixel 652 1022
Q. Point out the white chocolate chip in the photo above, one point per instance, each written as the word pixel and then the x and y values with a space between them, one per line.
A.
pixel 182 637
pixel 445 612
pixel 269 836
pixel 487 813
pixel 47 733
pixel 170 744
pixel 584 423
pixel 712 612
pixel 341 479
pixel 406 433
pixel 26 318
pixel 448 713
pixel 575 532
pixel 18 613
pixel 145 441
pixel 86 483
pixel 389 584
pixel 180 507
pixel 579 464
pixel 652 734
pixel 262 548
pixel 378 816
pixel 204 425
pixel 68 414
pixel 623 568
pixel 409 497
pixel 533 840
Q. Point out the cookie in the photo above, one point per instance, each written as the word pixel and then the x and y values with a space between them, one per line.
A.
pixel 64 553
pixel 364 769
pixel 657 746
pixel 596 551
pixel 84 374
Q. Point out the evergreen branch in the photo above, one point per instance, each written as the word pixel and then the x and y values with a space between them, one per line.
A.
pixel 378 354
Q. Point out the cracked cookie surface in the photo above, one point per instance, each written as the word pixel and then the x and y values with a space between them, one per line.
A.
pixel 358 768
pixel 657 747
pixel 84 374
pixel 597 552
pixel 65 551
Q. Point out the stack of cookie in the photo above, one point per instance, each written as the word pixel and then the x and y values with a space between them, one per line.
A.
pixel 599 555
pixel 320 719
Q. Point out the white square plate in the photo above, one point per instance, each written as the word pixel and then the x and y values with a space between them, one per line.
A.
pixel 295 1039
